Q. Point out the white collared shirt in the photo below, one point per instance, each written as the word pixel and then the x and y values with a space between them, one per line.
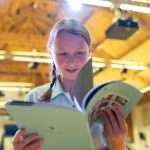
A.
pixel 59 97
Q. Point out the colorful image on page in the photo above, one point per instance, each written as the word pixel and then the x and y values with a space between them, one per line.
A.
pixel 106 101
pixel 120 101
pixel 101 104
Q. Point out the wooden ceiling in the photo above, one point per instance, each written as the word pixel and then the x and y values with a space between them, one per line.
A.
pixel 25 26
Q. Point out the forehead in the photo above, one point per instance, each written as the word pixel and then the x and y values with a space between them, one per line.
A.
pixel 66 39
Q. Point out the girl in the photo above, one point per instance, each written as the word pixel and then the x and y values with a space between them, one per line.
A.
pixel 69 46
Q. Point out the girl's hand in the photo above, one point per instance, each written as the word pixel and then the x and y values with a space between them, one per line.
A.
pixel 115 128
pixel 31 142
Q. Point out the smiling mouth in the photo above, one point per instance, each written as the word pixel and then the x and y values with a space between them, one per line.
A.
pixel 71 70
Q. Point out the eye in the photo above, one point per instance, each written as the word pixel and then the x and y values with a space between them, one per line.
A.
pixel 62 54
pixel 80 53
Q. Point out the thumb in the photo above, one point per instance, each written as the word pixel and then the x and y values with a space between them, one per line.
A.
pixel 18 136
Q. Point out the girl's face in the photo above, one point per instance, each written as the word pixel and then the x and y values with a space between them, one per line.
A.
pixel 70 54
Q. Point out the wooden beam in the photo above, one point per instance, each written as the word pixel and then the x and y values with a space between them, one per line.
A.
pixel 14 37
pixel 130 128
pixel 19 42
pixel 14 6
pixel 135 47
pixel 145 98
pixel 20 72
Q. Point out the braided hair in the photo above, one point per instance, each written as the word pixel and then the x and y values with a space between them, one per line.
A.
pixel 47 94
pixel 69 25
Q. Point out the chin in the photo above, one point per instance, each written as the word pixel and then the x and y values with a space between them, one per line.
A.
pixel 72 78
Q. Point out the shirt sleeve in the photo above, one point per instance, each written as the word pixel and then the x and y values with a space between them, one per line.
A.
pixel 31 96
pixel 98 137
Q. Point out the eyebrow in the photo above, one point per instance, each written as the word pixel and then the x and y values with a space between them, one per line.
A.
pixel 60 49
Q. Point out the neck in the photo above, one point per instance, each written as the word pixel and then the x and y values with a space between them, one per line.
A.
pixel 67 86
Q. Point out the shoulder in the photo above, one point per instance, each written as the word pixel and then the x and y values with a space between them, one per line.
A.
pixel 32 95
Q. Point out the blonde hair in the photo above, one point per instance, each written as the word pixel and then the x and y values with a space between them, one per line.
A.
pixel 71 26
pixel 68 25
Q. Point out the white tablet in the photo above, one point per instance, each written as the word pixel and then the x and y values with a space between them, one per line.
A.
pixel 62 128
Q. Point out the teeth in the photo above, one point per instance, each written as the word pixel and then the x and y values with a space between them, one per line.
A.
pixel 71 69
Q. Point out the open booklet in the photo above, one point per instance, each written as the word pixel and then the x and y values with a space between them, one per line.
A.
pixel 93 100
pixel 69 128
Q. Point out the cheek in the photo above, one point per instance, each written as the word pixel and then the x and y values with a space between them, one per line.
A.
pixel 59 63
pixel 83 60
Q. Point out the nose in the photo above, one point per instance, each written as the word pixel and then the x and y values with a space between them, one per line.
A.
pixel 71 60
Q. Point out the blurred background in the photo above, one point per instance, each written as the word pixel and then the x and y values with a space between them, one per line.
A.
pixel 120 32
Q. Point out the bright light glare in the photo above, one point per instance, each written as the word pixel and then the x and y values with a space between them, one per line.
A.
pixel 2 57
pixel 133 67
pixel 75 5
pixel 31 59
pixel 146 89
pixel 100 3
pixel 25 89
pixel 98 64
pixel 135 8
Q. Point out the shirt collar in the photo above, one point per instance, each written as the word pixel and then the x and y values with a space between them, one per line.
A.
pixel 57 89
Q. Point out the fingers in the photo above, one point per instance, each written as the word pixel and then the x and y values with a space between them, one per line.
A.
pixel 121 121
pixel 32 142
pixel 34 146
pixel 115 128
pixel 29 139
pixel 108 130
pixel 18 136
pixel 112 119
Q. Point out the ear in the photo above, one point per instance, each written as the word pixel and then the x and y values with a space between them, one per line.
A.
pixel 90 50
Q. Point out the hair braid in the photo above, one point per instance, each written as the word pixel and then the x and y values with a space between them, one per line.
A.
pixel 45 97
pixel 54 76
